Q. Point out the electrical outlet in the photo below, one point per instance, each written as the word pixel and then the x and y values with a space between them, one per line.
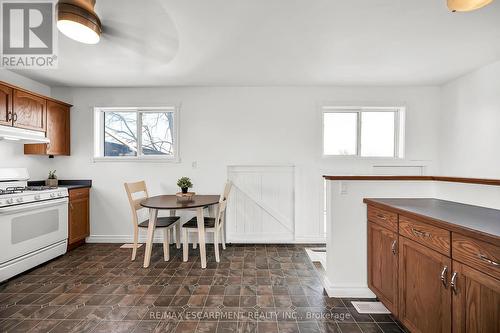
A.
pixel 194 164
pixel 343 188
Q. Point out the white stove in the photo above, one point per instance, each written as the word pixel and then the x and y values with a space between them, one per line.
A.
pixel 26 194
pixel 33 223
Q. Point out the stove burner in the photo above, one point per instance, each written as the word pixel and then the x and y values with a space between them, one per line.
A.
pixel 21 189
pixel 5 192
pixel 38 188
pixel 12 190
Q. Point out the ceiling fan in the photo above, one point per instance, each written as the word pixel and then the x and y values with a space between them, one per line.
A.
pixel 466 5
pixel 77 20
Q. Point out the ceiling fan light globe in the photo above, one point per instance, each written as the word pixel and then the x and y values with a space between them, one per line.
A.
pixel 466 5
pixel 77 31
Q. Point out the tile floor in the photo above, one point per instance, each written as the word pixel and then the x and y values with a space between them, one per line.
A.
pixel 255 288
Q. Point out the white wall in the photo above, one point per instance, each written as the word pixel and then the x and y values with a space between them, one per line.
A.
pixel 24 82
pixel 223 126
pixel 470 124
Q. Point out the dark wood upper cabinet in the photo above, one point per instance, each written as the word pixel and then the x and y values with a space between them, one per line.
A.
pixel 383 265
pixel 5 105
pixel 58 131
pixel 424 292
pixel 476 301
pixel 29 111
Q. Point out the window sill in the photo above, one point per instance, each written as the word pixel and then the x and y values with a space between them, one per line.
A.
pixel 136 159
pixel 356 157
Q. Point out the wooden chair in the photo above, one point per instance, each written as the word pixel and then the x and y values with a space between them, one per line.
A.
pixel 212 224
pixel 225 194
pixel 165 223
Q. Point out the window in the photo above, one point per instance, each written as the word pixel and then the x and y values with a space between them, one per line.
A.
pixel 363 132
pixel 135 133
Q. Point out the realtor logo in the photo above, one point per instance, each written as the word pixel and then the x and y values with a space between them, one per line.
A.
pixel 29 35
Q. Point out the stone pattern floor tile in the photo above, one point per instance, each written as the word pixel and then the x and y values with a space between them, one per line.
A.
pixel 254 288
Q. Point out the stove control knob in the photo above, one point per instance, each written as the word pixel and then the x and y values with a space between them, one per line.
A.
pixel 9 201
pixel 52 195
pixel 19 200
pixel 37 197
pixel 59 194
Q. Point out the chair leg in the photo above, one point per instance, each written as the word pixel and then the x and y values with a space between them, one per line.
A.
pixel 166 243
pixel 178 228
pixel 216 245
pixel 185 244
pixel 136 236
pixel 222 238
pixel 195 243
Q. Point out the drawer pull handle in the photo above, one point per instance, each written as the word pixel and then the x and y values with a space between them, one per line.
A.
pixel 489 261
pixel 444 276
pixel 453 282
pixel 420 233
pixel 394 247
pixel 382 217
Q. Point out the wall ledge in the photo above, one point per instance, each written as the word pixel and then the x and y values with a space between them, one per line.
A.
pixel 346 291
pixel 482 181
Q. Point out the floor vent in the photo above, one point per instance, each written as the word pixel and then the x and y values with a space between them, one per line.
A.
pixel 318 249
pixel 370 307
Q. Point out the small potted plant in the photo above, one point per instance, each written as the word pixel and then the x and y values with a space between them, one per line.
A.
pixel 52 179
pixel 185 184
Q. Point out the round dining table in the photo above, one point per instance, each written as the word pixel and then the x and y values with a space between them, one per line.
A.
pixel 174 203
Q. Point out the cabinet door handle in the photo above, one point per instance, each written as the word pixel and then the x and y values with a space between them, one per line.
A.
pixel 394 247
pixel 444 276
pixel 15 116
pixel 489 261
pixel 420 233
pixel 453 282
pixel 382 217
pixel 9 116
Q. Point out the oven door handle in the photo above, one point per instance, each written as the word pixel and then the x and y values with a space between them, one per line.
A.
pixel 32 206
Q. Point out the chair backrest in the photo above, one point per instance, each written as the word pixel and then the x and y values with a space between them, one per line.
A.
pixel 135 201
pixel 227 189
pixel 221 210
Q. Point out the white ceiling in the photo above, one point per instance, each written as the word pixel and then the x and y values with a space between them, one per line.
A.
pixel 278 42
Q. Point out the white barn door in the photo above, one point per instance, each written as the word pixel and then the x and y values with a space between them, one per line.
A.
pixel 262 205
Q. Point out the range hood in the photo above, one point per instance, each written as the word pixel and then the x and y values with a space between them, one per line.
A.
pixel 13 134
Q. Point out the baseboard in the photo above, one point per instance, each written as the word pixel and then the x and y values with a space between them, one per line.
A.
pixel 234 239
pixel 158 238
pixel 347 291
pixel 120 239
pixel 310 240
pixel 257 238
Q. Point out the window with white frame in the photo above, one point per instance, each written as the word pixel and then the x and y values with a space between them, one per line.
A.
pixel 363 131
pixel 134 133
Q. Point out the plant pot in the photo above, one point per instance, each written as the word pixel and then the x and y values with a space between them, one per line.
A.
pixel 51 182
pixel 185 189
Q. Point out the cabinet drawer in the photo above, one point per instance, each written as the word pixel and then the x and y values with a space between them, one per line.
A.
pixel 483 256
pixel 425 234
pixel 78 193
pixel 383 218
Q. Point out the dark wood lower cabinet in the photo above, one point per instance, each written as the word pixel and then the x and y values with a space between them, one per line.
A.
pixel 439 280
pixel 424 293
pixel 476 301
pixel 79 217
pixel 383 264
